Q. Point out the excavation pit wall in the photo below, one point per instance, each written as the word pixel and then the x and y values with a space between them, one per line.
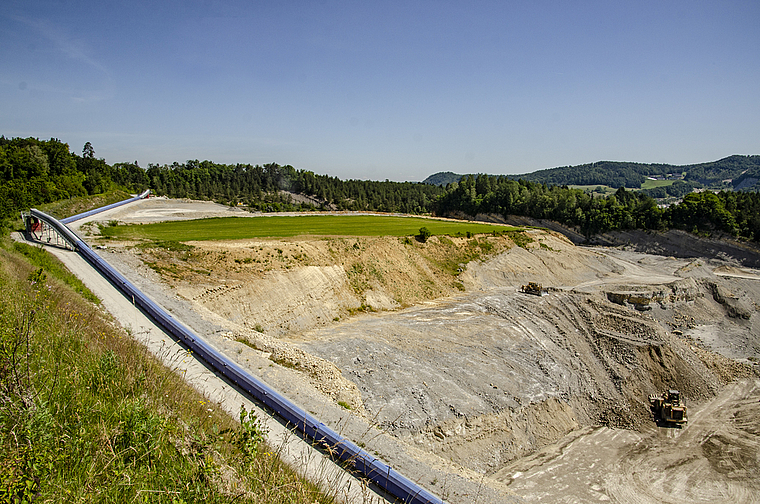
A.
pixel 508 382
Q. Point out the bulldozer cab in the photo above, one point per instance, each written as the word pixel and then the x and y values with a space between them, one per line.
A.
pixel 534 288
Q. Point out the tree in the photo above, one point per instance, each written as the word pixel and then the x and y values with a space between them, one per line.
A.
pixel 87 151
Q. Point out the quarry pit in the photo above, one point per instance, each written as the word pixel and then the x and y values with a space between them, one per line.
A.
pixel 478 391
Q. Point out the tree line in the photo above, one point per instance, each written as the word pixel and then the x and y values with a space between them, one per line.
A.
pixel 36 171
pixel 269 187
pixel 735 213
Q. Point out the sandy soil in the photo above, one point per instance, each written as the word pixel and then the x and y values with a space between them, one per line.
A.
pixel 488 394
pixel 714 459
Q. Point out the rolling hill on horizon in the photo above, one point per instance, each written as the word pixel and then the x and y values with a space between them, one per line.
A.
pixel 736 172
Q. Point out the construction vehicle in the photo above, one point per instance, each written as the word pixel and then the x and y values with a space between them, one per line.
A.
pixel 668 407
pixel 534 288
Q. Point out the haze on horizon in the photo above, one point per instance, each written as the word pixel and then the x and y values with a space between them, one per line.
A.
pixel 385 90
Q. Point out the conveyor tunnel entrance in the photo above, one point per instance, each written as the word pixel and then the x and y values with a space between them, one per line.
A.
pixel 40 229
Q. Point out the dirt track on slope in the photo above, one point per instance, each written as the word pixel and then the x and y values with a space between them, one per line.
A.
pixel 527 397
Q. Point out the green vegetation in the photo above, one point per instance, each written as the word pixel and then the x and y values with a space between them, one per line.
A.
pixel 72 206
pixel 87 415
pixel 41 259
pixel 609 173
pixel 736 213
pixel 733 172
pixel 599 190
pixel 442 178
pixel 425 233
pixel 635 175
pixel 35 173
pixel 520 239
pixel 233 228
pixel 453 258
pixel 259 187
pixel 675 189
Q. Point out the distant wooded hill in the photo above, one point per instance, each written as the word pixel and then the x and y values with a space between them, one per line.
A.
pixel 738 173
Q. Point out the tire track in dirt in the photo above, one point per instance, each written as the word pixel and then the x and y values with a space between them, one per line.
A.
pixel 714 459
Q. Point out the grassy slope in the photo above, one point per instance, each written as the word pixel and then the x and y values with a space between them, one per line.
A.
pixel 73 206
pixel 232 228
pixel 87 415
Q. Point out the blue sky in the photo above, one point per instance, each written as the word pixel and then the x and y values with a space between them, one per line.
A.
pixel 385 90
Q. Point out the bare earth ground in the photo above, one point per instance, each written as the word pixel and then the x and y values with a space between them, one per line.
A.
pixel 487 394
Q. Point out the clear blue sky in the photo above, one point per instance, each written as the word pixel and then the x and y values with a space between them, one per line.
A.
pixel 376 90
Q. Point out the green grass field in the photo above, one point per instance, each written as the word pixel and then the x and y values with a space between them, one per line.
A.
pixel 648 184
pixel 651 184
pixel 236 228
pixel 607 190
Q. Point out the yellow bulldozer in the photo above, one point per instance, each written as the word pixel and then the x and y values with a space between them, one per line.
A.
pixel 668 408
pixel 534 288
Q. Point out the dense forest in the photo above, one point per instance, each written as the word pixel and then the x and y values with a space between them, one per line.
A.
pixel 735 213
pixel 34 172
pixel 271 187
pixel 733 172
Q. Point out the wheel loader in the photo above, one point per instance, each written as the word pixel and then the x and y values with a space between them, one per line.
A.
pixel 668 407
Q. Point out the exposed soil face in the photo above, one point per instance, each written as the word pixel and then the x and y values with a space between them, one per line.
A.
pixel 444 353
pixel 285 287
pixel 682 244
pixel 487 378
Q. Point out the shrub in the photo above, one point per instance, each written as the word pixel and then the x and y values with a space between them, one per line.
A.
pixel 424 234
